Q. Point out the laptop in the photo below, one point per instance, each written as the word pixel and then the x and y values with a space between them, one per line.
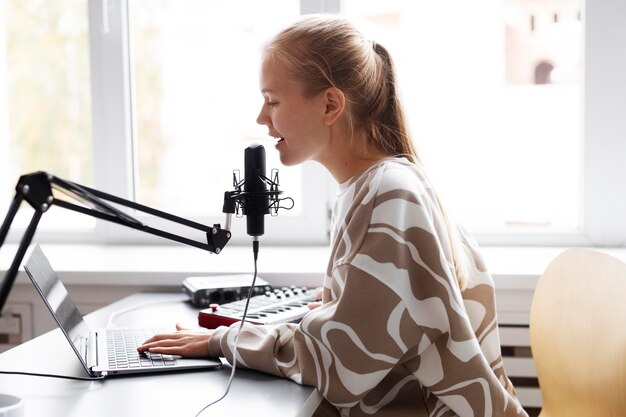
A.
pixel 102 352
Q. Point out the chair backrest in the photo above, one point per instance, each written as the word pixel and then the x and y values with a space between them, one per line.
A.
pixel 578 335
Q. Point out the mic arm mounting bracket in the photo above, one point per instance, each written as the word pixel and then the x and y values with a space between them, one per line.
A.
pixel 236 200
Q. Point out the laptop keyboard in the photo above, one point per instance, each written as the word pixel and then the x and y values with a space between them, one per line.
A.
pixel 122 350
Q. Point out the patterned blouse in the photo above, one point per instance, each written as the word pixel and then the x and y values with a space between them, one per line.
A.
pixel 394 336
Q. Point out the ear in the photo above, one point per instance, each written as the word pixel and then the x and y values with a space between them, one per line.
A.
pixel 335 103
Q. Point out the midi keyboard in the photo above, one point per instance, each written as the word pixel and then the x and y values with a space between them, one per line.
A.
pixel 286 305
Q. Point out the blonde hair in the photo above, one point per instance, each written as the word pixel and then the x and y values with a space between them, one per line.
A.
pixel 322 52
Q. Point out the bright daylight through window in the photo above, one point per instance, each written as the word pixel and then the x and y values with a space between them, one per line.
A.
pixel 493 92
pixel 45 100
pixel 197 98
pixel 493 95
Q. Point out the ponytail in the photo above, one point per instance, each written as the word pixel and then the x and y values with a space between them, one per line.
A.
pixel 386 128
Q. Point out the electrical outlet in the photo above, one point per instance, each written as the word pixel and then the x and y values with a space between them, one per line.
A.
pixel 16 325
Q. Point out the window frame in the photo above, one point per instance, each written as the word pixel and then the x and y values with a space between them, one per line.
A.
pixel 604 129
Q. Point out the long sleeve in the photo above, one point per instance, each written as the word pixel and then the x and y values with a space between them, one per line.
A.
pixel 394 335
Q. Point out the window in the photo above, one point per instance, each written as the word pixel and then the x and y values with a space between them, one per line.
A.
pixel 521 130
pixel 45 100
pixel 196 98
pixel 489 134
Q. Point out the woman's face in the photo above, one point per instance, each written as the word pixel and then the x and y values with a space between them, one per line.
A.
pixel 294 120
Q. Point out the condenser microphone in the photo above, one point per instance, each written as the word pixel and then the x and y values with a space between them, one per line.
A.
pixel 256 202
pixel 254 196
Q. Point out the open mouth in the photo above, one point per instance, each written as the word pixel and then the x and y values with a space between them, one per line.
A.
pixel 279 140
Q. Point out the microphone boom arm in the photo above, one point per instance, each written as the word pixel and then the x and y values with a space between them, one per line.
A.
pixel 36 188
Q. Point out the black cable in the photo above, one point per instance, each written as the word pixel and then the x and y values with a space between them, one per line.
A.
pixel 79 378
pixel 255 250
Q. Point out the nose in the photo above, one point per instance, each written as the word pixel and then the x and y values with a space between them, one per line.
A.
pixel 262 118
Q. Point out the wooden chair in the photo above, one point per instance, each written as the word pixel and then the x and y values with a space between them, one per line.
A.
pixel 578 335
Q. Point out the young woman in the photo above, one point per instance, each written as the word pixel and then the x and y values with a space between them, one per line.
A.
pixel 407 324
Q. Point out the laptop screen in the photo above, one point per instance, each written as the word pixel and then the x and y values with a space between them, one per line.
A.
pixel 56 297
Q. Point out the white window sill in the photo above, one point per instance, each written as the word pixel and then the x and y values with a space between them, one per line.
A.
pixel 136 265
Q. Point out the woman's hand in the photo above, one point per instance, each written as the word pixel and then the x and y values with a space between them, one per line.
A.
pixel 318 297
pixel 184 342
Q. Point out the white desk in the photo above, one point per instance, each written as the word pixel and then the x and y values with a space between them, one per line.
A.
pixel 166 394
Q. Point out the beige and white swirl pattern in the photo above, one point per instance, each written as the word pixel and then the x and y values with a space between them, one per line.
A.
pixel 395 336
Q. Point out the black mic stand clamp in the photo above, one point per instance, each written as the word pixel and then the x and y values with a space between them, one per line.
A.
pixel 238 201
pixel 257 203
pixel 36 189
